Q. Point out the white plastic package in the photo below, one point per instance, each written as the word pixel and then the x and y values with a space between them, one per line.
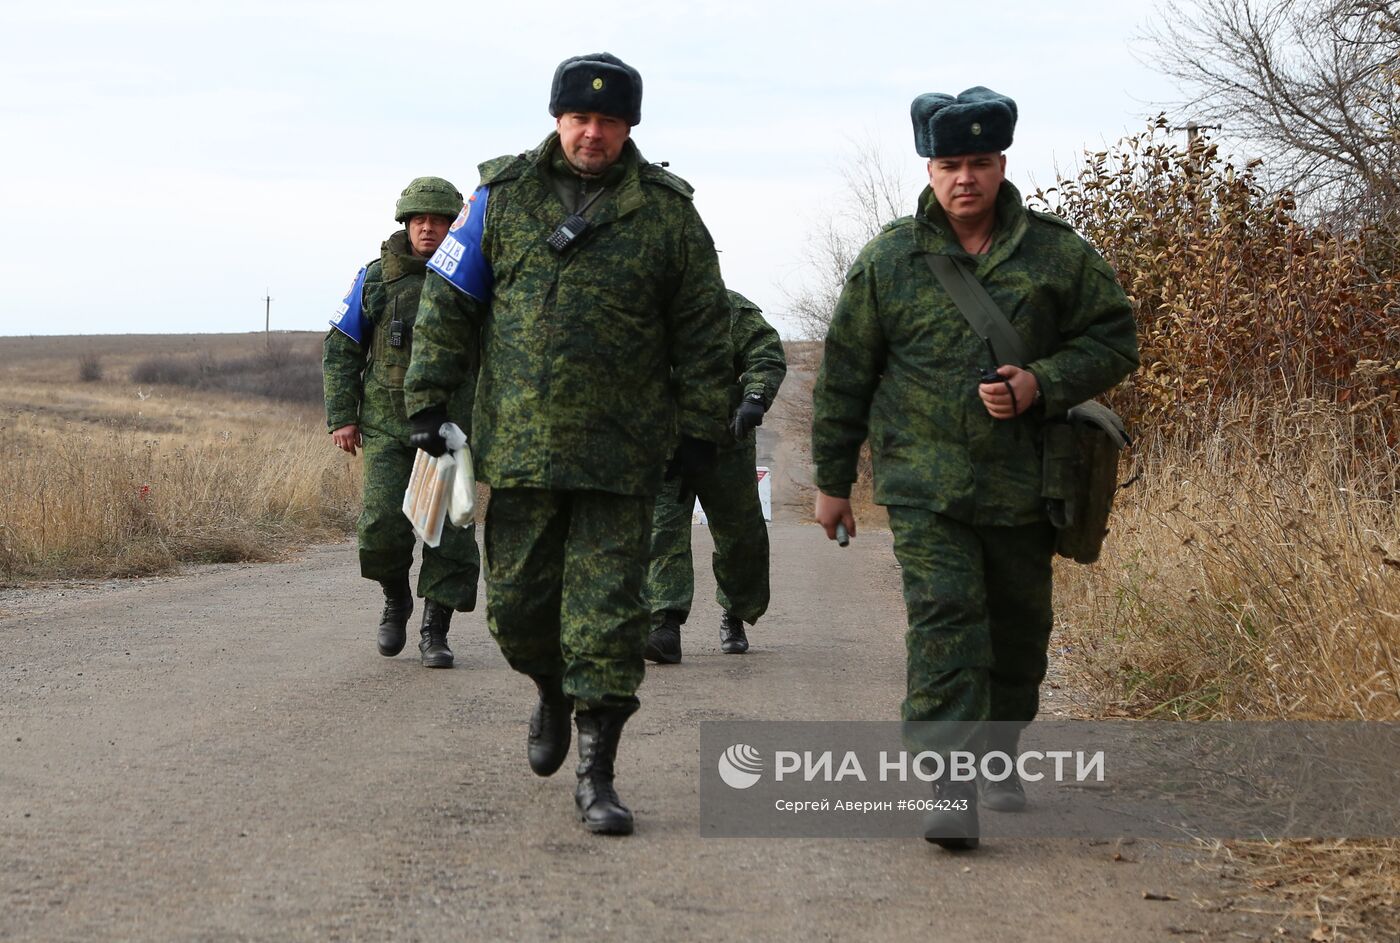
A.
pixel 461 499
pixel 441 489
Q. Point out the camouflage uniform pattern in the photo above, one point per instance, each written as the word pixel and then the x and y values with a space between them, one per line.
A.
pixel 565 588
pixel 728 493
pixel 364 385
pixel 902 364
pixel 964 490
pixel 593 361
pixel 973 654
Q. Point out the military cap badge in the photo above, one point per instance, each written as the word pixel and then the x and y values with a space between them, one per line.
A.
pixel 977 121
pixel 598 82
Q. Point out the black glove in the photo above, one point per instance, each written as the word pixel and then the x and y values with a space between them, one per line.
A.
pixel 693 457
pixel 748 416
pixel 425 435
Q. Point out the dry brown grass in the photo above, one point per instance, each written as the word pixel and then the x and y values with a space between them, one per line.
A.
pixel 107 478
pixel 1247 577
pixel 1253 576
pixel 1349 890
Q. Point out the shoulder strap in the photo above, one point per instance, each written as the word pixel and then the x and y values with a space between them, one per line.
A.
pixel 505 167
pixel 978 307
pixel 1092 412
pixel 657 173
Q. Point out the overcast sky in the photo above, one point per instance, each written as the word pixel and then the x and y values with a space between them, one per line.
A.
pixel 166 163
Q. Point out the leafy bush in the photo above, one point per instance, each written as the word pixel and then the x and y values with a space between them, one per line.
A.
pixel 1235 297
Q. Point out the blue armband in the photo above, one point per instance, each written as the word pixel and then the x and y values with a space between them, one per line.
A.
pixel 459 259
pixel 350 316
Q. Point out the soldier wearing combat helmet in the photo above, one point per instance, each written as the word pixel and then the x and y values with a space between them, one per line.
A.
pixel 593 288
pixel 957 451
pixel 366 354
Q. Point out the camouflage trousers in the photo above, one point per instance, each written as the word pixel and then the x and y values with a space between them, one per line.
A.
pixel 729 495
pixel 979 607
pixel 564 574
pixel 450 570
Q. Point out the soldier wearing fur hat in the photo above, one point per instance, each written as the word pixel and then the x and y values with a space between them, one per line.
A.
pixel 365 356
pixel 593 288
pixel 957 450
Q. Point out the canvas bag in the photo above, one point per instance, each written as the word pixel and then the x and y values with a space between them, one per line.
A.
pixel 1081 449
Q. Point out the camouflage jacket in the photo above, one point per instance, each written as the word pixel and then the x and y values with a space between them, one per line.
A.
pixel 901 364
pixel 594 359
pixel 759 362
pixel 364 382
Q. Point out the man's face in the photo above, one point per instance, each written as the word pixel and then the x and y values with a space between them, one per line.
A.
pixel 592 142
pixel 966 186
pixel 426 232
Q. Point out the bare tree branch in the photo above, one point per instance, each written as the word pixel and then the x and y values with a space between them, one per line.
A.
pixel 877 189
pixel 1312 85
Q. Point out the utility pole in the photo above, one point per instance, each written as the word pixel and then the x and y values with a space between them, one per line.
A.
pixel 1193 132
pixel 267 317
pixel 1195 148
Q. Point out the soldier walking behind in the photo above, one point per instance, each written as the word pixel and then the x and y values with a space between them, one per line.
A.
pixel 366 354
pixel 729 494
pixel 593 288
pixel 957 458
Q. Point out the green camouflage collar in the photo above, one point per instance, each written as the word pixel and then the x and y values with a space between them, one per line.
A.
pixel 936 235
pixel 608 178
pixel 625 198
pixel 396 257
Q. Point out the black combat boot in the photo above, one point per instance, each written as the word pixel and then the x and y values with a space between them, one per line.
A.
pixel 664 642
pixel 393 623
pixel 599 730
pixel 1007 795
pixel 732 640
pixel 953 821
pixel 550 726
pixel 433 644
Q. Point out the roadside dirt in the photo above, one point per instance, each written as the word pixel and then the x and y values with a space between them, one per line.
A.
pixel 224 756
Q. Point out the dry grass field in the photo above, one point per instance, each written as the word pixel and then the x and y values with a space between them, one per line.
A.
pixel 1255 575
pixel 128 454
pixel 1246 581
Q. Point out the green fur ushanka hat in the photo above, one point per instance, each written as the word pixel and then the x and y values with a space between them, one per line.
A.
pixel 978 121
pixel 598 82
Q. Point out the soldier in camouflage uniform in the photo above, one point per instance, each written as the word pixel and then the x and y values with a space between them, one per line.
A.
pixel 593 288
pixel 729 495
pixel 365 406
pixel 957 461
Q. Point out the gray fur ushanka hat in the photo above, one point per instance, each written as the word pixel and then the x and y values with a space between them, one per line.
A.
pixel 977 121
pixel 598 82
